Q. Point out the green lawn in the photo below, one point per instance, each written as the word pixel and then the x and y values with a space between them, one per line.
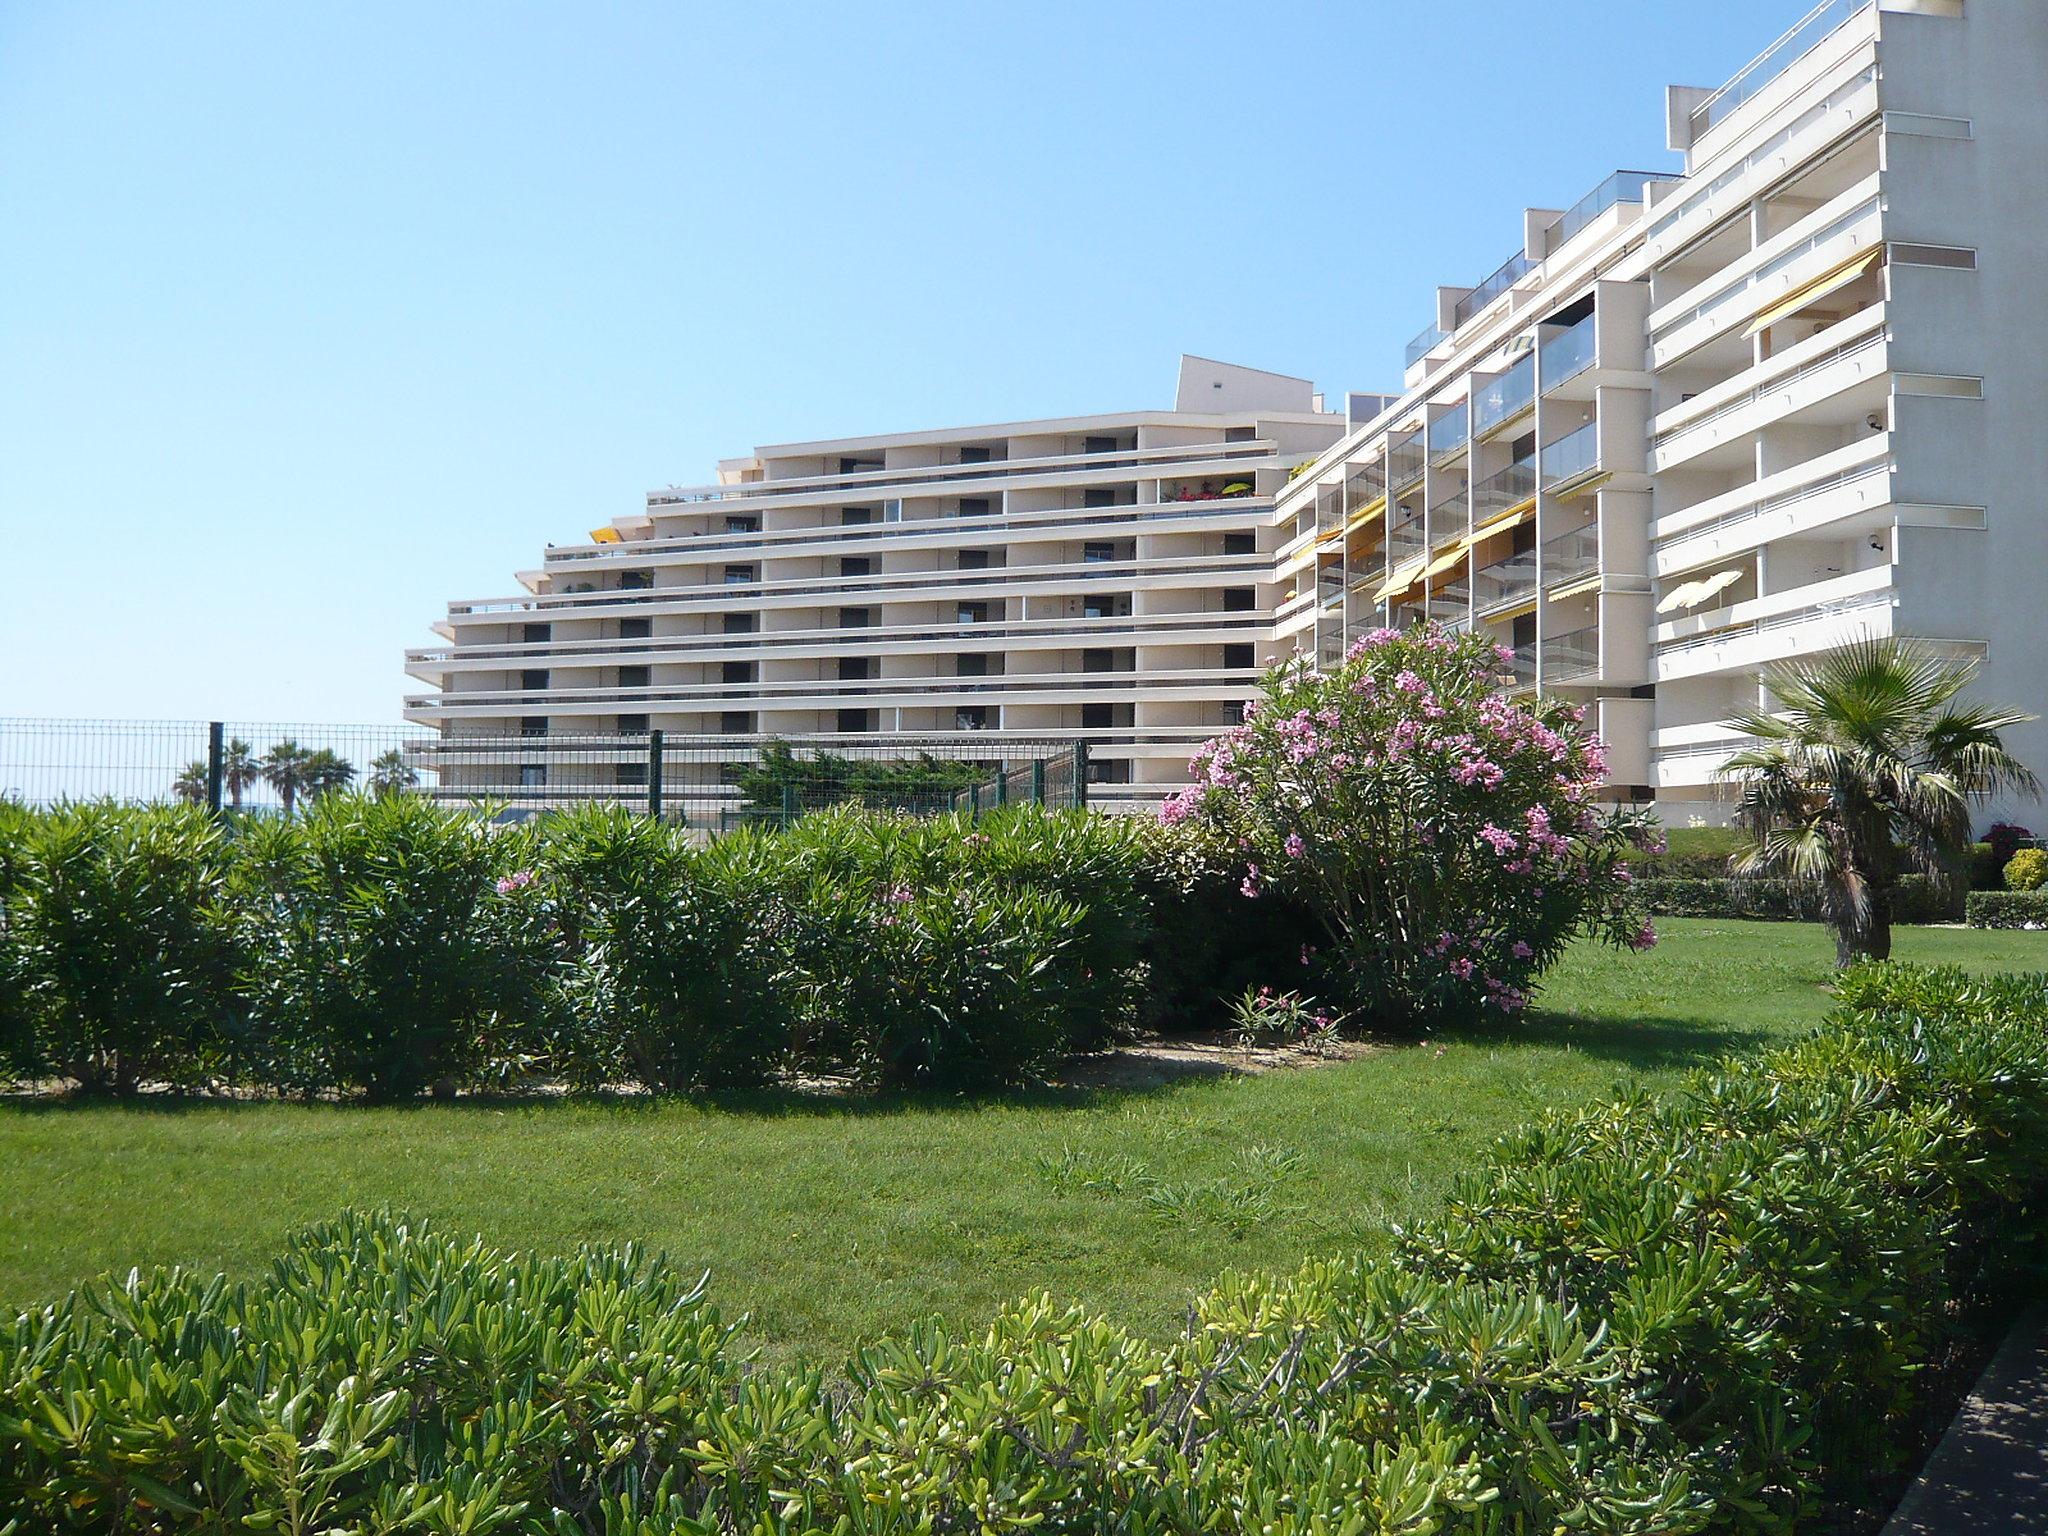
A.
pixel 833 1221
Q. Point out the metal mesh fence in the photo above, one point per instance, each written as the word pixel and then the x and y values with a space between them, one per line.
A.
pixel 710 783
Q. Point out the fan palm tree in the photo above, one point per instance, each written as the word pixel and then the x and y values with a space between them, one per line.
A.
pixel 239 769
pixel 284 769
pixel 391 774
pixel 327 771
pixel 190 784
pixel 1871 754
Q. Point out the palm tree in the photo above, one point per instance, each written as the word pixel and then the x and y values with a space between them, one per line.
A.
pixel 327 771
pixel 1870 755
pixel 284 768
pixel 190 784
pixel 391 774
pixel 238 769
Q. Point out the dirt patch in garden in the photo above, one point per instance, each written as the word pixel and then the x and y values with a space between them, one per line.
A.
pixel 1173 1059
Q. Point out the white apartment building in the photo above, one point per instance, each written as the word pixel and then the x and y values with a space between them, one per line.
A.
pixel 1100 579
pixel 1700 421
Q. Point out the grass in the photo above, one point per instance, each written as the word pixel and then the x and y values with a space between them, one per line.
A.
pixel 833 1222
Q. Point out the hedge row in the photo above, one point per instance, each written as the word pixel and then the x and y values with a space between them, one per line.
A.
pixel 1914 899
pixel 388 947
pixel 2008 909
pixel 1710 1311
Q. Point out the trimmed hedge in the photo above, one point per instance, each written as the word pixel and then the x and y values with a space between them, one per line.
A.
pixel 1718 1310
pixel 1914 899
pixel 2008 909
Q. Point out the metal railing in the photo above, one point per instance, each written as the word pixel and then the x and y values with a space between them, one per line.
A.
pixel 1846 609
pixel 1806 34
pixel 1770 386
pixel 1736 293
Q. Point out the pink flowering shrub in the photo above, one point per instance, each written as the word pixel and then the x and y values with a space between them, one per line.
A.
pixel 1444 836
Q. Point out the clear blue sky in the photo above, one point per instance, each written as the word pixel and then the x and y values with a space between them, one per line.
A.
pixel 313 317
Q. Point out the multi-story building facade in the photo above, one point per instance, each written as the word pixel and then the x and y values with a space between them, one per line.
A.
pixel 1702 421
pixel 1102 579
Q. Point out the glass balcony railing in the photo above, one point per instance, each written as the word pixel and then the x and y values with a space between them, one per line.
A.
pixel 1808 33
pixel 1522 666
pixel 1571 456
pixel 1570 556
pixel 1404 462
pixel 1621 187
pixel 1405 541
pixel 1505 582
pixel 1425 343
pixel 1507 396
pixel 1447 434
pixel 1568 354
pixel 1497 493
pixel 1572 657
pixel 1510 272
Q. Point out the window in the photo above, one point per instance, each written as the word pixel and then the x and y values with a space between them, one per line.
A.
pixel 632 677
pixel 853 517
pixel 736 722
pixel 632 725
pixel 533 679
pixel 533 775
pixel 635 629
pixel 635 581
pixel 856 565
pixel 974 506
pixel 1240 434
pixel 739 623
pixel 1097 717
pixel 1105 605
pixel 1953 386
pixel 971 717
pixel 855 669
pixel 629 774
pixel 533 725
pixel 738 575
pixel 1240 543
pixel 1097 553
pixel 1098 660
pixel 1117 771
pixel 1929 127
pixel 853 720
pixel 1099 496
pixel 536 634
pixel 973 559
pixel 1098 445
pixel 856 618
pixel 736 672
pixel 971 664
pixel 1957 256
pixel 1238 657
pixel 1240 599
pixel 735 523
pixel 858 466
pixel 975 455
pixel 973 613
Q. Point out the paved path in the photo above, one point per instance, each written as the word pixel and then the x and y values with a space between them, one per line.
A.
pixel 1990 1472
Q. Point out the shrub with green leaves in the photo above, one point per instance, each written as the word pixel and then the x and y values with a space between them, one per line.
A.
pixel 117 949
pixel 2027 870
pixel 2007 909
pixel 384 956
pixel 1713 1311
pixel 1444 835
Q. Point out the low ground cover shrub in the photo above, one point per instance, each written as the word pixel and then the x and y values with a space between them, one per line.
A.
pixel 1442 835
pixel 2008 909
pixel 1710 1311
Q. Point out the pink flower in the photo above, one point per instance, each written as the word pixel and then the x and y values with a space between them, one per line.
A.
pixel 1462 968
pixel 1308 953
pixel 1644 937
pixel 899 894
pixel 1522 951
pixel 518 880
pixel 1498 838
pixel 1251 881
pixel 1408 681
pixel 1295 846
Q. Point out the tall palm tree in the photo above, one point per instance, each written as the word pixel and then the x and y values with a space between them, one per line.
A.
pixel 391 774
pixel 284 769
pixel 1870 754
pixel 327 771
pixel 190 784
pixel 239 769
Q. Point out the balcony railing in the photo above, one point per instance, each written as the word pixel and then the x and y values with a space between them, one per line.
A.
pixel 1808 33
pixel 1507 396
pixel 1510 272
pixel 1405 462
pixel 1572 455
pixel 1568 354
pixel 1572 656
pixel 1505 582
pixel 1425 343
pixel 1571 556
pixel 1404 541
pixel 1522 666
pixel 1447 434
pixel 1621 187
pixel 1863 218
pixel 1510 488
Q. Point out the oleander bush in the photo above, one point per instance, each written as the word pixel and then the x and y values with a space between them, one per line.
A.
pixel 116 947
pixel 1719 1310
pixel 1443 836
pixel 2008 909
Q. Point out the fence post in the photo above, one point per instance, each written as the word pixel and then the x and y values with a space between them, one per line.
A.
pixel 216 766
pixel 1003 786
pixel 1038 780
pixel 1080 774
pixel 974 801
pixel 654 774
pixel 788 804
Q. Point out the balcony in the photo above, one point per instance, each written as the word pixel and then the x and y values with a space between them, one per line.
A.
pixel 1426 343
pixel 1571 556
pixel 1510 272
pixel 1505 398
pixel 1522 666
pixel 1405 460
pixel 1797 380
pixel 1816 617
pixel 1405 541
pixel 1503 492
pixel 1447 435
pixel 1808 33
pixel 1505 584
pixel 1568 354
pixel 1846 483
pixel 1621 187
pixel 1572 657
pixel 1576 454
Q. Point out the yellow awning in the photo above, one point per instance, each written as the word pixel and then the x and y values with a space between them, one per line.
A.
pixel 1401 578
pixel 604 535
pixel 1514 517
pixel 1366 513
pixel 1819 288
pixel 1446 560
